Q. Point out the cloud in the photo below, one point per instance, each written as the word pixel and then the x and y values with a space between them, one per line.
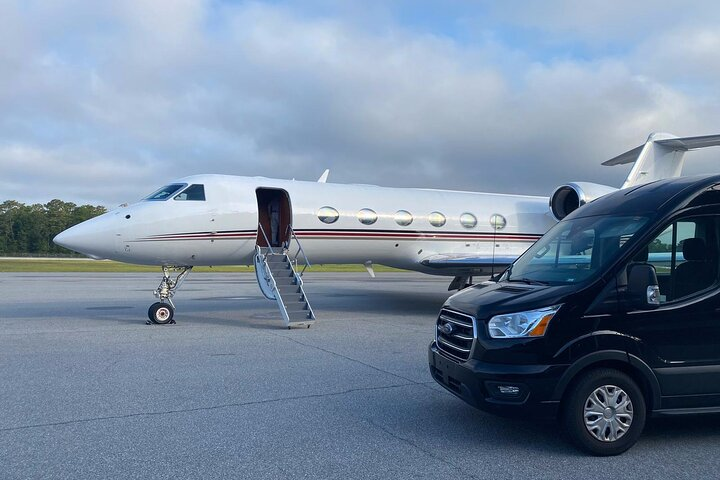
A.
pixel 74 174
pixel 600 24
pixel 104 102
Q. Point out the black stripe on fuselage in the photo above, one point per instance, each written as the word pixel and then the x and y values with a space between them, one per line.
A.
pixel 353 233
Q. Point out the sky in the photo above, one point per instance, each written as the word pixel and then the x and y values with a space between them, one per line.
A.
pixel 103 102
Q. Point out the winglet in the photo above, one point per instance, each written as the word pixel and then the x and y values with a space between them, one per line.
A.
pixel 323 178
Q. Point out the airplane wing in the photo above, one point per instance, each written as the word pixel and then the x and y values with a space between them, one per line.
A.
pixel 468 262
pixel 464 266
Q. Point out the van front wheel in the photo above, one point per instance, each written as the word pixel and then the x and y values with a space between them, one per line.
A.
pixel 604 412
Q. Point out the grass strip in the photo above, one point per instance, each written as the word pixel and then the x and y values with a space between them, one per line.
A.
pixel 86 265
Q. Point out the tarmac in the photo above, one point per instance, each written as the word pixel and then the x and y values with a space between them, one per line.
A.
pixel 87 390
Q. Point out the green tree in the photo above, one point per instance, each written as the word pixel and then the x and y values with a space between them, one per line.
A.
pixel 31 228
pixel 8 211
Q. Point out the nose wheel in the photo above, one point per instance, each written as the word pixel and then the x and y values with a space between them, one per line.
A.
pixel 162 312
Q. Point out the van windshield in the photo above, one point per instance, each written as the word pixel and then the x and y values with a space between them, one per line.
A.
pixel 574 250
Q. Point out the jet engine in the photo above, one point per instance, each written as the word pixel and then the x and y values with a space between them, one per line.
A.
pixel 569 197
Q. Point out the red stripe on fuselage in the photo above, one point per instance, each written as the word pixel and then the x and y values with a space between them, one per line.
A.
pixel 353 234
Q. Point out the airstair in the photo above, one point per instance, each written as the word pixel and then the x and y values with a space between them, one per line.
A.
pixel 278 278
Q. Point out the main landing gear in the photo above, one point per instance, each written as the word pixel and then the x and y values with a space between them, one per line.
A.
pixel 460 282
pixel 162 312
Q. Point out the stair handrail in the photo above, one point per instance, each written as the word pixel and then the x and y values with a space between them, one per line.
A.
pixel 267 241
pixel 273 284
pixel 300 250
pixel 266 271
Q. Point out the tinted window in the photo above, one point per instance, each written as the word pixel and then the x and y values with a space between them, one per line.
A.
pixel 328 215
pixel 468 220
pixel 685 257
pixel 367 216
pixel 165 192
pixel 498 222
pixel 574 250
pixel 403 218
pixel 436 219
pixel 193 192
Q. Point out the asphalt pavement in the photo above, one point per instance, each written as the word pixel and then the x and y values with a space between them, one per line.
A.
pixel 87 390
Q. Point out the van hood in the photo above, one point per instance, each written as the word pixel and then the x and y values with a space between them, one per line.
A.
pixel 487 299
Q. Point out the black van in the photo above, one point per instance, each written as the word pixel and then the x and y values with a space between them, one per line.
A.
pixel 613 315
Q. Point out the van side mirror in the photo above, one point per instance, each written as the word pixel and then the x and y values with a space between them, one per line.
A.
pixel 643 286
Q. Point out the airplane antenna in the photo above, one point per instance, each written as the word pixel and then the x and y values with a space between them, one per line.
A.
pixel 492 268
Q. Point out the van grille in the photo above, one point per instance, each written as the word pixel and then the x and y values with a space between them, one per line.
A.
pixel 455 333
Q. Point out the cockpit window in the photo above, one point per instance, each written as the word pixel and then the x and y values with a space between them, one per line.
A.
pixel 165 192
pixel 194 192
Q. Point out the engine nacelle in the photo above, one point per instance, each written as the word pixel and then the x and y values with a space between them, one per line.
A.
pixel 568 198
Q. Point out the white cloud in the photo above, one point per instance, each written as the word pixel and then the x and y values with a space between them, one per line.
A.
pixel 103 102
pixel 72 173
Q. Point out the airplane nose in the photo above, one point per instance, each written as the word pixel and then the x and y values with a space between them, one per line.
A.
pixel 62 239
pixel 72 239
pixel 93 237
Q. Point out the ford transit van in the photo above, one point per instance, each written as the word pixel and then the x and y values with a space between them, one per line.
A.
pixel 612 316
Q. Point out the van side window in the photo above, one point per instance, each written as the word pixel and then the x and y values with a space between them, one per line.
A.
pixel 685 257
pixel 194 192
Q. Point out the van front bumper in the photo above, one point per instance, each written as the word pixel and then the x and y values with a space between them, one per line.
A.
pixel 507 390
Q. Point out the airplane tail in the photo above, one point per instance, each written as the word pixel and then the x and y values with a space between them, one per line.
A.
pixel 660 157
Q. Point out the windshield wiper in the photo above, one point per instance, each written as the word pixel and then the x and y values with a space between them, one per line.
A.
pixel 529 281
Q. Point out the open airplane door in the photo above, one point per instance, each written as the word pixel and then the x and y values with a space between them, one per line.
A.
pixel 274 218
pixel 273 233
pixel 275 272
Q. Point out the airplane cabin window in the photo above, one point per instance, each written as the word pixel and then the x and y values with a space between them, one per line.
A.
pixel 328 215
pixel 468 220
pixel 498 222
pixel 194 192
pixel 403 218
pixel 165 192
pixel 367 216
pixel 437 219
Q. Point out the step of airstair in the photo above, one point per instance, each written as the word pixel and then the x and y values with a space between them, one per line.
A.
pixel 286 285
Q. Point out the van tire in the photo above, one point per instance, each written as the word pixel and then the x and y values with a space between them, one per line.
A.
pixel 604 388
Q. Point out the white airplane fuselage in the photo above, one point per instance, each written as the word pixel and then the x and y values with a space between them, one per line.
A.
pixel 207 220
pixel 223 229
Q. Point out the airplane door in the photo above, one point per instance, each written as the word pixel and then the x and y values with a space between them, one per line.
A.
pixel 274 217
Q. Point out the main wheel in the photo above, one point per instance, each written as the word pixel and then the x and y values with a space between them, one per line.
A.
pixel 604 413
pixel 161 313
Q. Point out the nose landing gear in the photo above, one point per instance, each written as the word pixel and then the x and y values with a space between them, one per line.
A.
pixel 162 312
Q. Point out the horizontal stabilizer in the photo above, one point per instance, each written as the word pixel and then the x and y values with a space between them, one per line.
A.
pixel 627 157
pixel 680 143
pixel 660 157
pixel 690 143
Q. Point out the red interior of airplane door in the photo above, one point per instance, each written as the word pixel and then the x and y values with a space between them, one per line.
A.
pixel 274 216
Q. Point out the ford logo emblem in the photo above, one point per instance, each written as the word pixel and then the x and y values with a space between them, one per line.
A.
pixel 445 328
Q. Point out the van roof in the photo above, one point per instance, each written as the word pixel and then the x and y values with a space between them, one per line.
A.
pixel 660 197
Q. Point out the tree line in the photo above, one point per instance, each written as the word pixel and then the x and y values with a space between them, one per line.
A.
pixel 29 229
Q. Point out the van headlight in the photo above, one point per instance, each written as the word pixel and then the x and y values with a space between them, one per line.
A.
pixel 532 323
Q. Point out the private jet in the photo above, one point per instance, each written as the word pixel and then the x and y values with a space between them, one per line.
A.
pixel 280 226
